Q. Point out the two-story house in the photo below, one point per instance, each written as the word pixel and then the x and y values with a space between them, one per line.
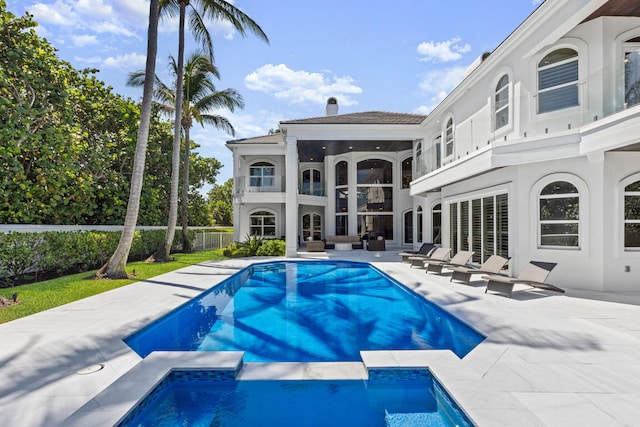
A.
pixel 535 155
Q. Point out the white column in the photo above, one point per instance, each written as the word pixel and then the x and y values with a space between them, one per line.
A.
pixel 291 196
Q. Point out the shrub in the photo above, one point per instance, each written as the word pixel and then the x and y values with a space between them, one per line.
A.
pixel 255 246
pixel 272 247
pixel 29 257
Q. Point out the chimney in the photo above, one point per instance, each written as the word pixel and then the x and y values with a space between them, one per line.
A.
pixel 332 106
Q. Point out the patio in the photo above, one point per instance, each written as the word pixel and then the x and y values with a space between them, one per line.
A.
pixel 548 360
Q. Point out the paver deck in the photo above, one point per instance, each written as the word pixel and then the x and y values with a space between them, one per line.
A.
pixel 548 360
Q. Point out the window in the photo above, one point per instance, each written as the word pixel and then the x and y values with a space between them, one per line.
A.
pixel 311 183
pixel 419 223
pixel 632 216
pixel 501 100
pixel 408 227
pixel 559 205
pixel 262 174
pixel 407 172
pixel 502 226
pixel 262 224
pixel 436 223
pixel 419 163
pixel 342 176
pixel 433 156
pixel 448 138
pixel 632 72
pixel 453 224
pixel 375 198
pixel 464 225
pixel 342 198
pixel 480 225
pixel 558 80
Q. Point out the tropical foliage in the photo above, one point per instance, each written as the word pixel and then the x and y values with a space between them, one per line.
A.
pixel 221 203
pixel 67 142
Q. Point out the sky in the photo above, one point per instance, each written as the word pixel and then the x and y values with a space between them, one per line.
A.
pixel 371 55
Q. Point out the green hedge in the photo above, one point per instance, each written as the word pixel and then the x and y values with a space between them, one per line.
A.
pixel 255 246
pixel 29 257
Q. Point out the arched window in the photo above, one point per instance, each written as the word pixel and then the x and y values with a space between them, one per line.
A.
pixel 448 138
pixel 559 209
pixel 262 174
pixel 632 216
pixel 407 172
pixel 501 102
pixel 632 72
pixel 342 176
pixel 311 182
pixel 558 80
pixel 262 224
pixel 436 223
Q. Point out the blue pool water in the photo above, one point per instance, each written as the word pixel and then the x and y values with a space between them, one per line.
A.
pixel 390 398
pixel 305 311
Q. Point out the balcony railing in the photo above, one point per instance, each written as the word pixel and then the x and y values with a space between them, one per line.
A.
pixel 271 184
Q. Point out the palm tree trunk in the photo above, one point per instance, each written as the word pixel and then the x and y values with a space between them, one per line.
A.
pixel 115 267
pixel 186 243
pixel 163 253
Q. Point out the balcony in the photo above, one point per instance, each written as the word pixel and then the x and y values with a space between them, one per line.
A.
pixel 271 184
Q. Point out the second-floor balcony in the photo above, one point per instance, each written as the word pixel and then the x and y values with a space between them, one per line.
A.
pixel 261 184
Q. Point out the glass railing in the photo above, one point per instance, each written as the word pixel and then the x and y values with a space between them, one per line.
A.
pixel 263 184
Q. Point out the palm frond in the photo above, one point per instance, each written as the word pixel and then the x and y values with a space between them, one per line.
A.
pixel 225 11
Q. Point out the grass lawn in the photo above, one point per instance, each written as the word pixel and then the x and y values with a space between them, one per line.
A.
pixel 36 297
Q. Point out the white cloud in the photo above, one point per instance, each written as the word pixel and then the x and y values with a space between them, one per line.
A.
pixel 118 17
pixel 129 61
pixel 437 84
pixel 297 87
pixel 58 13
pixel 83 40
pixel 445 51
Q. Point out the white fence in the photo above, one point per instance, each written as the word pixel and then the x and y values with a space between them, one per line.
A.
pixel 211 240
pixel 203 240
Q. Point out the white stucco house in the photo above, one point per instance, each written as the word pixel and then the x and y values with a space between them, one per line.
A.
pixel 535 155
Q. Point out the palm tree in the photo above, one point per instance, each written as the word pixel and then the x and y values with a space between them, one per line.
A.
pixel 115 267
pixel 200 100
pixel 199 9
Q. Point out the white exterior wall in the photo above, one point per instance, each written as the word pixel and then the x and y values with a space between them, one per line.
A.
pixel 618 167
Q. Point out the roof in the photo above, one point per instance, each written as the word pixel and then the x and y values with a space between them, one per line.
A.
pixel 365 118
pixel 273 138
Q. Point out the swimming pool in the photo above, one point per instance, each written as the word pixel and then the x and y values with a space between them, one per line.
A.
pixel 390 397
pixel 306 311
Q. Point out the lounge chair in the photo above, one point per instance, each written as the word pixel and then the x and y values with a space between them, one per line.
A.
pixel 425 249
pixel 493 265
pixel 440 254
pixel 460 259
pixel 534 275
